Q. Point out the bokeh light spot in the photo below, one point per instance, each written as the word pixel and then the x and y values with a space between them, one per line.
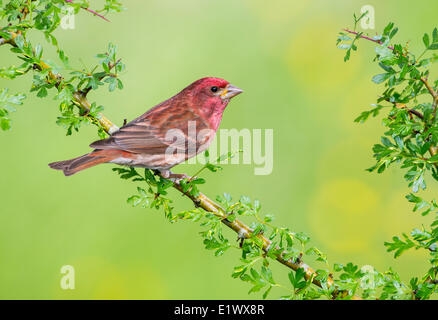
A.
pixel 342 214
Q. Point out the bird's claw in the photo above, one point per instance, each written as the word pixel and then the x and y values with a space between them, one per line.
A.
pixel 174 177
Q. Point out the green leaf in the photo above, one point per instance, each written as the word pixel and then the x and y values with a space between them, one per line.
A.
pixel 426 40
pixel 435 35
pixel 42 92
pixel 292 278
pixel 384 53
pixel 38 51
pixel 64 59
pixel 119 84
pixel 19 41
pixel 267 274
pixel 7 104
pixel 5 124
pixel 399 246
pixel 381 77
pixel 265 295
pixel 386 68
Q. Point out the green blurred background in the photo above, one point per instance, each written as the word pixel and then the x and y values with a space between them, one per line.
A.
pixel 283 54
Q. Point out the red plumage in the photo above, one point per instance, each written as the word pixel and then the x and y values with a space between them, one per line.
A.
pixel 166 135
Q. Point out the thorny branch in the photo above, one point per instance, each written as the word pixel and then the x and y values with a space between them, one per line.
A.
pixel 366 38
pixel 91 11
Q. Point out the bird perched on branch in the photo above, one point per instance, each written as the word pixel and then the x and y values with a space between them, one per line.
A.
pixel 166 135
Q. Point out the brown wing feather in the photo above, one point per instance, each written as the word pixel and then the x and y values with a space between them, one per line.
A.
pixel 147 133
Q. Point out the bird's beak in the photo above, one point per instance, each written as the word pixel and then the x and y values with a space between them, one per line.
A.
pixel 230 91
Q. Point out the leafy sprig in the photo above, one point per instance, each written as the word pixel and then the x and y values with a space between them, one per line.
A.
pixel 410 97
pixel 7 105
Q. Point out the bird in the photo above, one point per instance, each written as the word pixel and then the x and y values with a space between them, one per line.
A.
pixel 166 135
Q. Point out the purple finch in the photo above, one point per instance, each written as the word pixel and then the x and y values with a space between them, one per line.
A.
pixel 166 135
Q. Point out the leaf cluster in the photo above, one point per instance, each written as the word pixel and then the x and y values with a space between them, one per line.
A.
pixel 410 98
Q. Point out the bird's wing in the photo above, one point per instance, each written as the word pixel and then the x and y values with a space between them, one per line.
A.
pixel 156 131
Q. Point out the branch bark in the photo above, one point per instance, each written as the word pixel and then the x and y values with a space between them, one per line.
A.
pixel 8 41
pixel 91 11
pixel 367 38
pixel 433 150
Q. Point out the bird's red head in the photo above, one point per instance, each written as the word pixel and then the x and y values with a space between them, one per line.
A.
pixel 210 82
pixel 214 88
pixel 211 95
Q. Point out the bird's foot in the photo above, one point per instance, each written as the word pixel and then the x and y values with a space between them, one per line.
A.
pixel 175 177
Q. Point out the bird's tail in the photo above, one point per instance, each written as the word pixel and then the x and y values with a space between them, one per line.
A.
pixel 86 161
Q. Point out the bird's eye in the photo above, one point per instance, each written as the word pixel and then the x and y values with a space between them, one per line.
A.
pixel 214 89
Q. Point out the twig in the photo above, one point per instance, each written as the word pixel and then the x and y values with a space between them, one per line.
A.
pixel 91 11
pixel 432 92
pixel 403 106
pixel 434 95
pixel 8 41
pixel 110 67
pixel 418 114
pixel 433 150
pixel 367 38
pixel 104 122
